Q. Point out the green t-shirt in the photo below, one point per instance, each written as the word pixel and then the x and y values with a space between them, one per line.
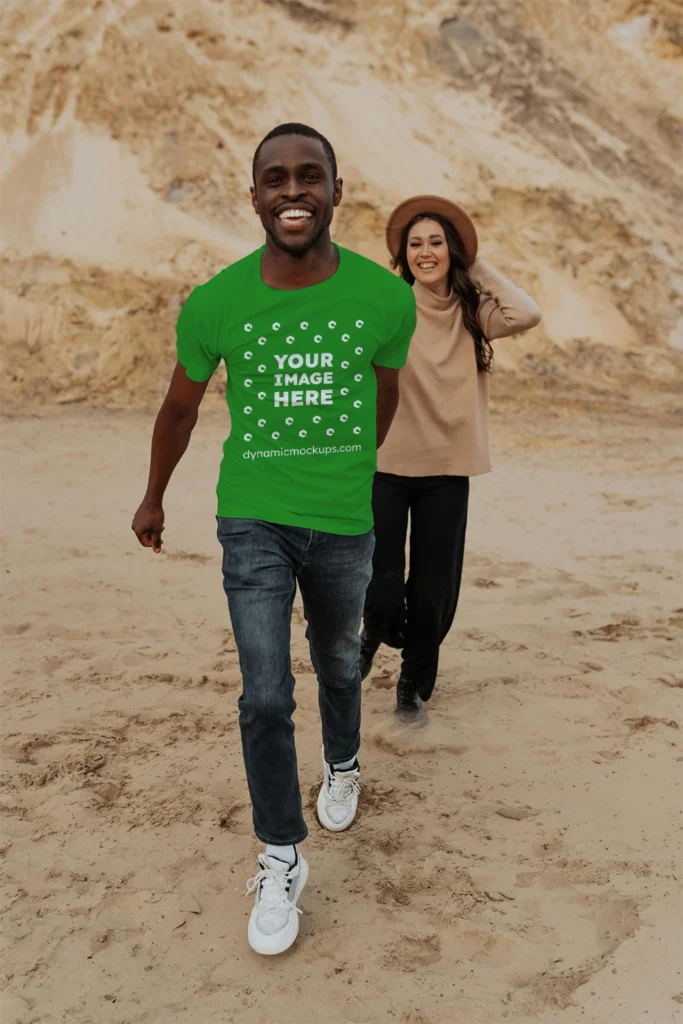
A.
pixel 301 388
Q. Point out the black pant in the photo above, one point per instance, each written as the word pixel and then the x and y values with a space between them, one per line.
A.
pixel 416 615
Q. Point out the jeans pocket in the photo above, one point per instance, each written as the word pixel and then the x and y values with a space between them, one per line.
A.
pixel 228 528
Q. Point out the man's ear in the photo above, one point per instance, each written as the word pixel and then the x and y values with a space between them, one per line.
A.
pixel 338 191
pixel 254 200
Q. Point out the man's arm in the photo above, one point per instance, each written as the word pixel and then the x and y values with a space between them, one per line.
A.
pixel 172 430
pixel 387 400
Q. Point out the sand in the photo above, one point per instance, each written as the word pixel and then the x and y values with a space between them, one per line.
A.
pixel 516 860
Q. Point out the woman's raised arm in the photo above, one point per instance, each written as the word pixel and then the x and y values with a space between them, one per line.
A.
pixel 504 309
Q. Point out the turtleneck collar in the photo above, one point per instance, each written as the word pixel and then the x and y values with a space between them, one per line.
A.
pixel 426 298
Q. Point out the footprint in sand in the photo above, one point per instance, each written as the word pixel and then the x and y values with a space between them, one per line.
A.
pixel 391 892
pixel 377 797
pixel 418 946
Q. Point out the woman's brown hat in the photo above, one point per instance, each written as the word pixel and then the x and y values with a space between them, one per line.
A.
pixel 409 208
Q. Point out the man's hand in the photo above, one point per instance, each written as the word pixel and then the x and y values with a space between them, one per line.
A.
pixel 148 525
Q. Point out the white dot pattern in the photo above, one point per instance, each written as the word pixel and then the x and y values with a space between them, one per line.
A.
pixel 305 371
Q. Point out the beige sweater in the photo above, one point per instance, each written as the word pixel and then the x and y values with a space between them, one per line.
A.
pixel 441 426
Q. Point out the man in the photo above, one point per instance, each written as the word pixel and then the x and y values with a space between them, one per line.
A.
pixel 313 337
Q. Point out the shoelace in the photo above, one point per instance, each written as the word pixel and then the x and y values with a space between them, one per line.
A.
pixel 273 887
pixel 344 785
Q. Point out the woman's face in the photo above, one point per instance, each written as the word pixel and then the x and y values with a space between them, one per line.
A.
pixel 428 257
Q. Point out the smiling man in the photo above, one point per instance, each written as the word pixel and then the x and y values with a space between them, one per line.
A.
pixel 313 337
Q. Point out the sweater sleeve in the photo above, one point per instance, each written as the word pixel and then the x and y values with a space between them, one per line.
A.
pixel 504 309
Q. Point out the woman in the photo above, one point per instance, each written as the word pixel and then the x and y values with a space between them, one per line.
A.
pixel 439 438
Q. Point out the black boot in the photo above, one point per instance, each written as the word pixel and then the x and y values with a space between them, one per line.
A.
pixel 408 704
pixel 368 650
pixel 425 692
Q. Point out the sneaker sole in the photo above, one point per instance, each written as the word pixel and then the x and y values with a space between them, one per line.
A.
pixel 287 937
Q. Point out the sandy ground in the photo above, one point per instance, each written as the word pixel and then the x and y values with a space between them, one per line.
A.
pixel 516 860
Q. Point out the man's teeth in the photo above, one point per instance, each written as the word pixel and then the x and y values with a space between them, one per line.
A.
pixel 294 214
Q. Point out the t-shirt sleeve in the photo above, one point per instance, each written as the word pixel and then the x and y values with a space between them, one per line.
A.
pixel 401 327
pixel 195 340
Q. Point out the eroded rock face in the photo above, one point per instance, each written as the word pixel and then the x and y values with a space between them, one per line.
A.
pixel 129 131
pixel 549 103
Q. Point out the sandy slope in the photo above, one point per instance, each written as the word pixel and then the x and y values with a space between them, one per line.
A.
pixel 128 128
pixel 516 860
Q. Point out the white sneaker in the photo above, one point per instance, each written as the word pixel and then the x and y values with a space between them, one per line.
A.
pixel 274 921
pixel 338 798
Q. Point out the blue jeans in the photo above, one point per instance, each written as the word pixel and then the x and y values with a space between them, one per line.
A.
pixel 262 563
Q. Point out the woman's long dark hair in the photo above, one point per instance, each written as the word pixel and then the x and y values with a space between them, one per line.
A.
pixel 461 282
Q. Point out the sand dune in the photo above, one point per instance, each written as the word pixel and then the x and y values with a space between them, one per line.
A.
pixel 129 128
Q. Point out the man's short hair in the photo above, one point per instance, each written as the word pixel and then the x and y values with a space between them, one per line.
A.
pixel 293 128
